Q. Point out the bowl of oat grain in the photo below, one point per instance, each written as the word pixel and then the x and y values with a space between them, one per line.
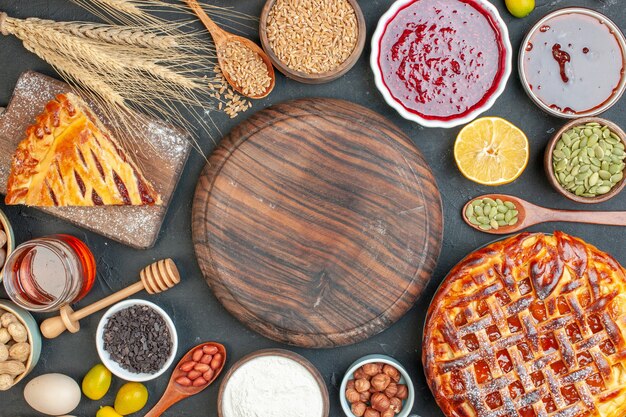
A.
pixel 313 41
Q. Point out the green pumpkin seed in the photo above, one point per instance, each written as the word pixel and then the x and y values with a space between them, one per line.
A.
pixel 483 219
pixel 618 151
pixel 499 202
pixel 473 220
pixel 558 154
pixel 486 210
pixel 595 161
pixel 583 142
pixel 512 222
pixel 575 170
pixel 594 168
pixel 604 166
pixel 502 223
pixel 494 224
pixel 599 152
pixel 489 201
pixel 605 175
pixel 617 177
pixel 567 139
pixel 593 140
pixel 509 204
pixel 561 165
pixel 614 168
pixel 579 190
pixel 477 202
pixel 583 169
pixel 469 212
pixel 499 216
pixel 508 216
pixel 604 189
pixel 485 227
pixel 502 209
pixel 478 210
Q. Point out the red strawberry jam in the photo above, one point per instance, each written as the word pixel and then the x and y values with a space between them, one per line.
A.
pixel 442 59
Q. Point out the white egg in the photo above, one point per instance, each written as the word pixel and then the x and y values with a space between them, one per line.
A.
pixel 53 394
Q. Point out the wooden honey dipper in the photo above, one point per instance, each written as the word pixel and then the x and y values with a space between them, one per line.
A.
pixel 155 278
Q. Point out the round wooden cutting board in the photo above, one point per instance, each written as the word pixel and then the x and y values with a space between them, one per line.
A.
pixel 317 223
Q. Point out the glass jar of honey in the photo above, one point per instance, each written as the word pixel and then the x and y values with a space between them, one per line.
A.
pixel 46 273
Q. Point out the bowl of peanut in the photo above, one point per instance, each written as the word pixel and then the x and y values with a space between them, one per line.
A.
pixel 20 344
pixel 377 386
pixel 7 240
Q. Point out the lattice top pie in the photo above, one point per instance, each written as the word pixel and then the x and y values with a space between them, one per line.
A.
pixel 530 326
pixel 70 159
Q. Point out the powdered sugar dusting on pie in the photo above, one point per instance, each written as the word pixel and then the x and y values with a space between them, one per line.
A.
pixel 135 226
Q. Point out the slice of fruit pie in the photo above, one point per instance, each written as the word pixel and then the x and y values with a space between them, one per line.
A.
pixel 69 158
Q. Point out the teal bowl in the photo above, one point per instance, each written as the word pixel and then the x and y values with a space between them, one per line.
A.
pixel 34 336
pixel 6 226
pixel 407 405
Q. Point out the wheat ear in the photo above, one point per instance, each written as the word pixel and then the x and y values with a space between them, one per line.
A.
pixel 123 69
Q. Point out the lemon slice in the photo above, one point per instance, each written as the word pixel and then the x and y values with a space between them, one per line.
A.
pixel 491 151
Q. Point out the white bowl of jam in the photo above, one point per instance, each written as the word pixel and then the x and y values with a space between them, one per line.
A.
pixel 441 63
pixel 572 63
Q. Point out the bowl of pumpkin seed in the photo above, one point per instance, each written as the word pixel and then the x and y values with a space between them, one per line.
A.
pixel 585 160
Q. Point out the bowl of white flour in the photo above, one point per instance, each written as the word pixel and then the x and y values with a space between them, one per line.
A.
pixel 273 383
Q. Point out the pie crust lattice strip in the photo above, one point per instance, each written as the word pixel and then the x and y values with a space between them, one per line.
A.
pixel 529 326
pixel 70 159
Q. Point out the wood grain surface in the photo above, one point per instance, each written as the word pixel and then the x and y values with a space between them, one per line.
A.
pixel 317 223
pixel 160 150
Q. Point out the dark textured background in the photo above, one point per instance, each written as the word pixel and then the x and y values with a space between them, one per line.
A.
pixel 197 313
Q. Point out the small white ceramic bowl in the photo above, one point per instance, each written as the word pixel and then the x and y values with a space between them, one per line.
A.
pixel 378 76
pixel 407 405
pixel 113 366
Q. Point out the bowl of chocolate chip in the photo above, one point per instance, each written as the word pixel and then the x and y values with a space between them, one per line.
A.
pixel 136 340
pixel 7 240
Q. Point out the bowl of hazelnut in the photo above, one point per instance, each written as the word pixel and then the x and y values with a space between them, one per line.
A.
pixel 377 386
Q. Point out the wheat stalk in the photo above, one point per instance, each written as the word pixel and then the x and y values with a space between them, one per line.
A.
pixel 124 69
pixel 141 12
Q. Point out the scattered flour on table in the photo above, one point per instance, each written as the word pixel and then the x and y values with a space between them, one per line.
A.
pixel 272 386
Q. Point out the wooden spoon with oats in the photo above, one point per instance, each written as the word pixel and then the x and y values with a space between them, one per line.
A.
pixel 246 67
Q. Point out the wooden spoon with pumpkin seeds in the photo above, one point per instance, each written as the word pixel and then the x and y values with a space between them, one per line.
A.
pixel 522 214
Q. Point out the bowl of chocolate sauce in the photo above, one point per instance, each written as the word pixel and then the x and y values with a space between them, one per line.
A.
pixel 572 63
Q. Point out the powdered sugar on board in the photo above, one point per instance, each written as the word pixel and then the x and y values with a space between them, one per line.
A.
pixel 164 151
